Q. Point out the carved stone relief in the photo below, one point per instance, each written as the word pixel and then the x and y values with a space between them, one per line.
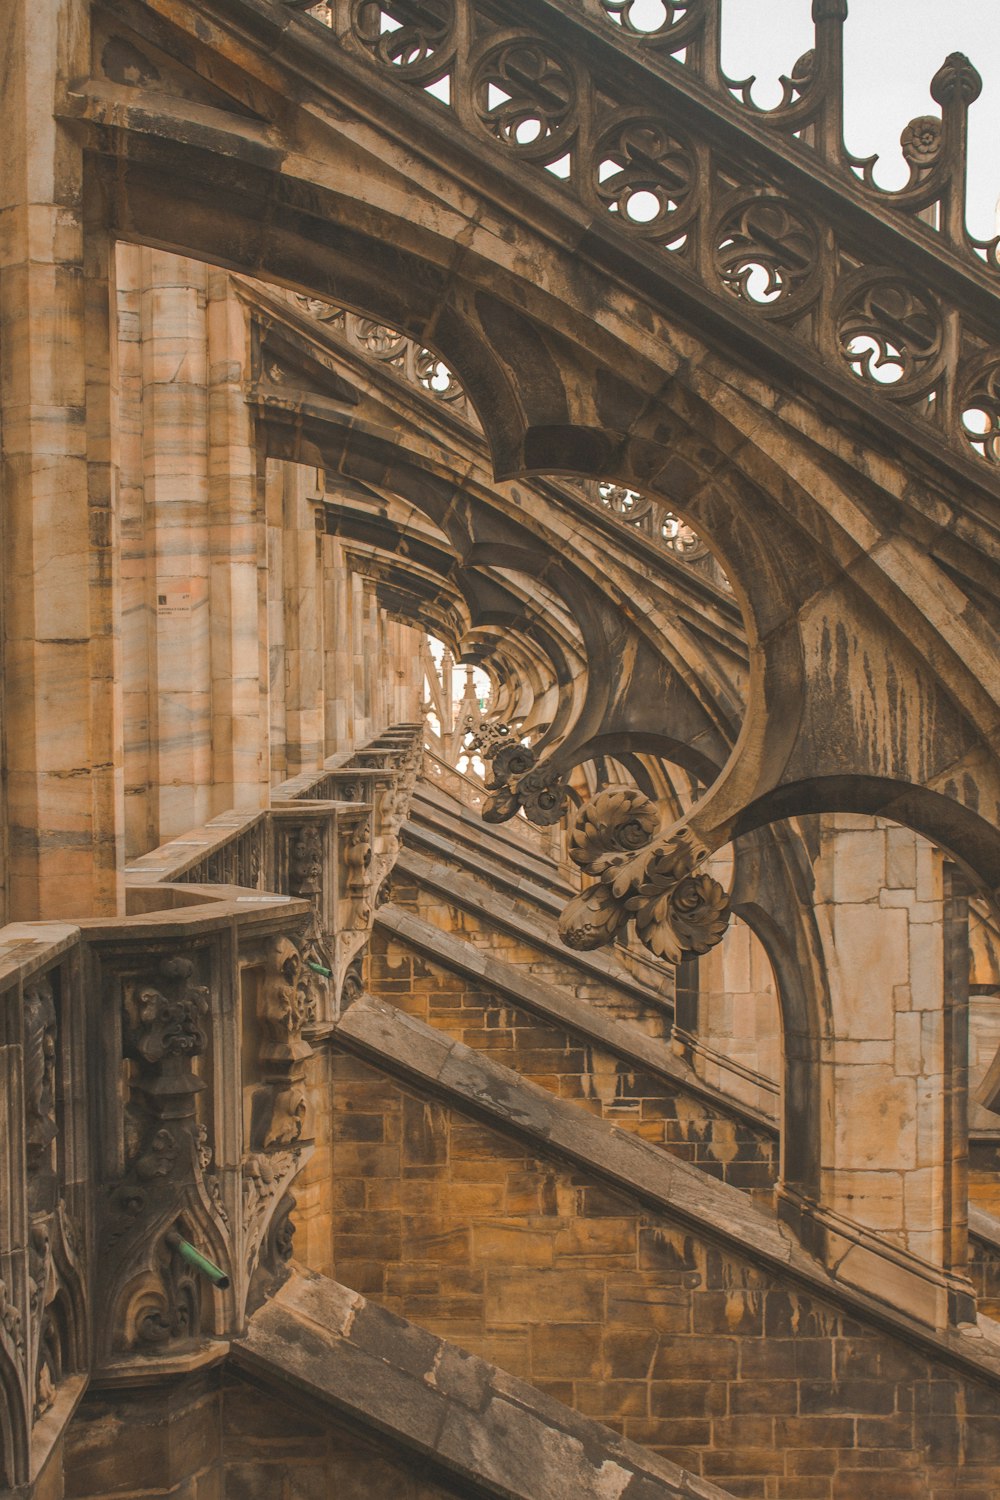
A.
pixel 152 1297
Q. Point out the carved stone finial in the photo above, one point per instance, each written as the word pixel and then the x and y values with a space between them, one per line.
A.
pixel 653 882
pixel 956 81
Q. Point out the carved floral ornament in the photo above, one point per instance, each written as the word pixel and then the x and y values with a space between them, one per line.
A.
pixel 516 783
pixel 649 880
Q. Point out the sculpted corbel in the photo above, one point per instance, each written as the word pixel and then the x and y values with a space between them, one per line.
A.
pixel 645 875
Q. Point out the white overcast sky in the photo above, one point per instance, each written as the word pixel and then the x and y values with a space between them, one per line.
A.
pixel 892 49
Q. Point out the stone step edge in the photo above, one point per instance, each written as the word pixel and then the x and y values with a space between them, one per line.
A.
pixel 468 893
pixel 406 1048
pixel 499 834
pixel 472 843
pixel 476 1423
pixel 429 837
pixel 555 1004
pixel 508 875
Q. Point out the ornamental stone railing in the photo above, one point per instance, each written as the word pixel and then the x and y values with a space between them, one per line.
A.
pixel 154 1080
pixel 152 1071
pixel 761 215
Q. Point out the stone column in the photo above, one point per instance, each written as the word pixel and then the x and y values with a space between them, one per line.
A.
pixel 135 564
pixel 274 507
pixel 237 561
pixel 175 464
pixel 892 1208
pixel 304 711
pixel 61 708
pixel 339 666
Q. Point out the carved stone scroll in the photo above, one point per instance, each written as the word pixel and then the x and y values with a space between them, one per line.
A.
pixel 653 882
pixel 517 782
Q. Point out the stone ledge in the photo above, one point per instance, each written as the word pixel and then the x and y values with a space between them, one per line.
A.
pixel 499 836
pixel 408 1049
pixel 474 896
pixel 433 842
pixel 476 1423
pixel 558 1005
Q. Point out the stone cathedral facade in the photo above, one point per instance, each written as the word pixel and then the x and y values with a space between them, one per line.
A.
pixel 500 815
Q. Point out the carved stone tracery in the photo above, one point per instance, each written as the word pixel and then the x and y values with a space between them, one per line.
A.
pixel 525 96
pixel 626 150
pixel 411 35
pixel 767 254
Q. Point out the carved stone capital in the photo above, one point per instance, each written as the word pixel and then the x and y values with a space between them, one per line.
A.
pixel 652 881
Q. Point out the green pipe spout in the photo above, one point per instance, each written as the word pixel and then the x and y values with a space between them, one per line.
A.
pixel 216 1275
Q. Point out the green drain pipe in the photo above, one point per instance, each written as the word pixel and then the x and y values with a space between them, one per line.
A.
pixel 201 1263
pixel 319 969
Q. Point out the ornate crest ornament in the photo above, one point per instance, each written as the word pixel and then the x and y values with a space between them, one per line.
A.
pixel 516 782
pixel 653 882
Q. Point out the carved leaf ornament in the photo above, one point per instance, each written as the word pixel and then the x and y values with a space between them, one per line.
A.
pixel 517 783
pixel 654 883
